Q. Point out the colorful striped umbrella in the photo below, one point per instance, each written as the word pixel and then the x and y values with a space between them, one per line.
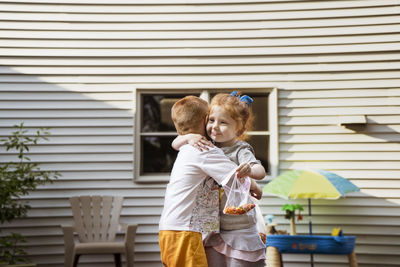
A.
pixel 308 184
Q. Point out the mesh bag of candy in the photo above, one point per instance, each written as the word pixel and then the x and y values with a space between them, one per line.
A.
pixel 238 200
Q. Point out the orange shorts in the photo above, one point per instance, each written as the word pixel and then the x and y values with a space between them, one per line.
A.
pixel 182 248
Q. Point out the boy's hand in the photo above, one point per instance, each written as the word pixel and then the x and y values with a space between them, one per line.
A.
pixel 243 170
pixel 200 142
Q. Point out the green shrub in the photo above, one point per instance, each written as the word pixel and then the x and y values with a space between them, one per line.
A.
pixel 17 179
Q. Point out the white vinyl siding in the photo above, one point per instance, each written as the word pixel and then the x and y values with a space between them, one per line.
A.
pixel 74 66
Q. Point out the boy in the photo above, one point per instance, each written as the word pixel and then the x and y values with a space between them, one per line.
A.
pixel 191 199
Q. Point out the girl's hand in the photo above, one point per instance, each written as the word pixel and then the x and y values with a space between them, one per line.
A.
pixel 255 190
pixel 256 193
pixel 196 140
pixel 243 170
pixel 200 142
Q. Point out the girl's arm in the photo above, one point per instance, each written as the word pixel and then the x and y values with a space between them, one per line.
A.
pixel 255 171
pixel 196 140
pixel 255 190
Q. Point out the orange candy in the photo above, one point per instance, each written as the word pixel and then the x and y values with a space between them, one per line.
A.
pixel 239 210
pixel 263 237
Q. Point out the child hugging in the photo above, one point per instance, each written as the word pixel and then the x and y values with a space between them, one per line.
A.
pixel 238 244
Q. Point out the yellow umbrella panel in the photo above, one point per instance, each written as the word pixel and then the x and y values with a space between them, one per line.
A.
pixel 310 185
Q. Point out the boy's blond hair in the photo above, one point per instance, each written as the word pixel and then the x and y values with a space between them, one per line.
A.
pixel 189 114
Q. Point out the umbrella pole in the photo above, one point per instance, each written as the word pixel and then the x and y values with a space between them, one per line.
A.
pixel 309 214
pixel 310 228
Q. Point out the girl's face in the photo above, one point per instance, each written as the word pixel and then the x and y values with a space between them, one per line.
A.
pixel 221 128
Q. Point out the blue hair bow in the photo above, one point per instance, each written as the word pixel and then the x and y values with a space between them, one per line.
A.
pixel 234 93
pixel 244 98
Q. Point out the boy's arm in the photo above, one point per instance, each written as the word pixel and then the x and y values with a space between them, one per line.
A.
pixel 218 166
pixel 196 140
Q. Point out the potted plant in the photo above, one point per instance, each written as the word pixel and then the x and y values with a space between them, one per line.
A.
pixel 290 210
pixel 17 179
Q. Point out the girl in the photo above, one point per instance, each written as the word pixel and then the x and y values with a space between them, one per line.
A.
pixel 238 243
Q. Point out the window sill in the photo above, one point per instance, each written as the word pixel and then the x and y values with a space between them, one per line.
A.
pixel 152 178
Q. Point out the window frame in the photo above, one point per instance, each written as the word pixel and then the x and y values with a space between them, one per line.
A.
pixel 273 157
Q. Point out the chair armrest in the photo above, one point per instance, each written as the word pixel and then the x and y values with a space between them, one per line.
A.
pixel 68 231
pixel 130 236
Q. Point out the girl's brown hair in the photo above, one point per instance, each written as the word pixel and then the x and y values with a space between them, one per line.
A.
pixel 238 110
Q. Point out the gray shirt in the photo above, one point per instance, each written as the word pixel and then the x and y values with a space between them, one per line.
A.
pixel 239 153
pixel 239 232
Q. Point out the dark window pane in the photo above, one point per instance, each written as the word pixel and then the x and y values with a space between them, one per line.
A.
pixel 157 154
pixel 260 111
pixel 260 146
pixel 156 112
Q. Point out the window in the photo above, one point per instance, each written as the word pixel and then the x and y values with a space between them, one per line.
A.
pixel 154 156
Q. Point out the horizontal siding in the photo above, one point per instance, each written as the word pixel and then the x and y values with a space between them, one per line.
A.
pixel 218 15
pixel 193 70
pixel 140 36
pixel 266 60
pixel 199 52
pixel 73 67
pixel 93 153
pixel 225 25
pixel 241 6
pixel 159 80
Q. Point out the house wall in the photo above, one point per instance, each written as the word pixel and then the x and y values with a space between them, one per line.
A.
pixel 74 65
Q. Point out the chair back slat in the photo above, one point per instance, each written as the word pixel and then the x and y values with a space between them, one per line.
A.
pixel 115 214
pixel 78 220
pixel 105 219
pixel 87 217
pixel 96 217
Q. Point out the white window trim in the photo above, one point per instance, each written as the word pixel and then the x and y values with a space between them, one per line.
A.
pixel 274 134
pixel 161 178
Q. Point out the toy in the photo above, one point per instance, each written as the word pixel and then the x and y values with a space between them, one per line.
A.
pixel 290 210
pixel 271 230
pixel 337 232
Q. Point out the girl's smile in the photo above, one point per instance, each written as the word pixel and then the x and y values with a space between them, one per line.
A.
pixel 221 127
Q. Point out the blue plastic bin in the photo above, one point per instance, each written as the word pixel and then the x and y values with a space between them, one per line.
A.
pixel 312 244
